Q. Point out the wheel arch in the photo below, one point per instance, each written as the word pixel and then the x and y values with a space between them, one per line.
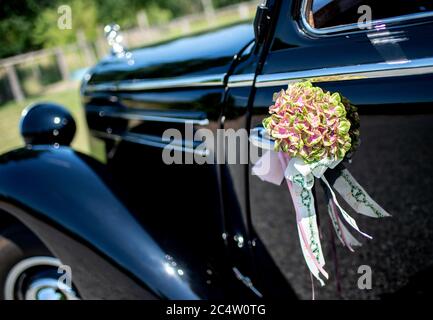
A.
pixel 65 198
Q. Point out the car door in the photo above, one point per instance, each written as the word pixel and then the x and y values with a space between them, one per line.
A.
pixel 385 69
pixel 131 101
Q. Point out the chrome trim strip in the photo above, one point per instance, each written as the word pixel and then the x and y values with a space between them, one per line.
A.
pixel 152 141
pixel 362 71
pixel 241 80
pixel 154 84
pixel 353 26
pixel 107 86
pixel 130 115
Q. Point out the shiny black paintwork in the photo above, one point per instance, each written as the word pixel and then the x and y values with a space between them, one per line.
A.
pixel 175 215
pixel 191 188
pixel 98 214
pixel 393 162
pixel 47 123
pixel 209 53
pixel 143 216
pixel 184 210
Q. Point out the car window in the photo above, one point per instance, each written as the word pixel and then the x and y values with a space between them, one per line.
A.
pixel 332 13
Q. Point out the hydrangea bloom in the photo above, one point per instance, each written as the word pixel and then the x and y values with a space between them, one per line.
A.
pixel 308 123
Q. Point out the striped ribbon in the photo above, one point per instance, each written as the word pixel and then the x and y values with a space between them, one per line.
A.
pixel 274 167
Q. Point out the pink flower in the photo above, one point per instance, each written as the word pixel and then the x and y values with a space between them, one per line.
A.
pixel 309 123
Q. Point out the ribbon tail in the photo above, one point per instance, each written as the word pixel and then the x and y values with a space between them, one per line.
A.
pixel 345 237
pixel 337 227
pixel 268 168
pixel 311 261
pixel 355 195
pixel 340 229
pixel 307 227
pixel 345 215
pixel 311 249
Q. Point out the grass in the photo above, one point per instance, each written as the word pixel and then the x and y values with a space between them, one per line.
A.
pixel 10 114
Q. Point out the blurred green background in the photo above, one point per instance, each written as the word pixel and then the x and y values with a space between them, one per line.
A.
pixel 41 62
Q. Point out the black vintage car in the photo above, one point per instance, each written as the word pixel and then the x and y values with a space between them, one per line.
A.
pixel 129 226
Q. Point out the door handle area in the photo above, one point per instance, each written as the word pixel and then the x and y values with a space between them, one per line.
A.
pixel 260 138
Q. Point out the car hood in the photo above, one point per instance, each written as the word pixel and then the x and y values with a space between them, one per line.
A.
pixel 197 55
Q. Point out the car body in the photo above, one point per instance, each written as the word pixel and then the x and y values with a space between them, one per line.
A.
pixel 131 226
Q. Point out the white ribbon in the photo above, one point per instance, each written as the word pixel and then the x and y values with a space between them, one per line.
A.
pixel 345 215
pixel 346 238
pixel 355 195
pixel 308 230
pixel 273 167
pixel 268 168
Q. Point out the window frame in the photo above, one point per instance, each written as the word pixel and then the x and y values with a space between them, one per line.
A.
pixel 328 31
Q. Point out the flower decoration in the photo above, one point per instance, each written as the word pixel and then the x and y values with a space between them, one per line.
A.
pixel 313 132
pixel 309 123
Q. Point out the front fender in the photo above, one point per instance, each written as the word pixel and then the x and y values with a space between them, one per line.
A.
pixel 66 198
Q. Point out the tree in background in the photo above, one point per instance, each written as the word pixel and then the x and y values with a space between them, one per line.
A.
pixel 27 25
pixel 84 18
pixel 17 24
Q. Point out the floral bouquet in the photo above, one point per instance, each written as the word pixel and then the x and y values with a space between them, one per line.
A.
pixel 314 132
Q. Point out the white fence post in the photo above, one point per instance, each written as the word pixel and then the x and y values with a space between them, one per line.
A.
pixel 101 44
pixel 209 11
pixel 36 71
pixel 185 26
pixel 243 11
pixel 14 83
pixel 89 56
pixel 61 63
pixel 142 20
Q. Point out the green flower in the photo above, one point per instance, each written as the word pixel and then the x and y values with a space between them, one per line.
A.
pixel 311 124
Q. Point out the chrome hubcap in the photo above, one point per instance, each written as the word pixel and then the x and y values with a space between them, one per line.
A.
pixel 36 278
pixel 49 289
